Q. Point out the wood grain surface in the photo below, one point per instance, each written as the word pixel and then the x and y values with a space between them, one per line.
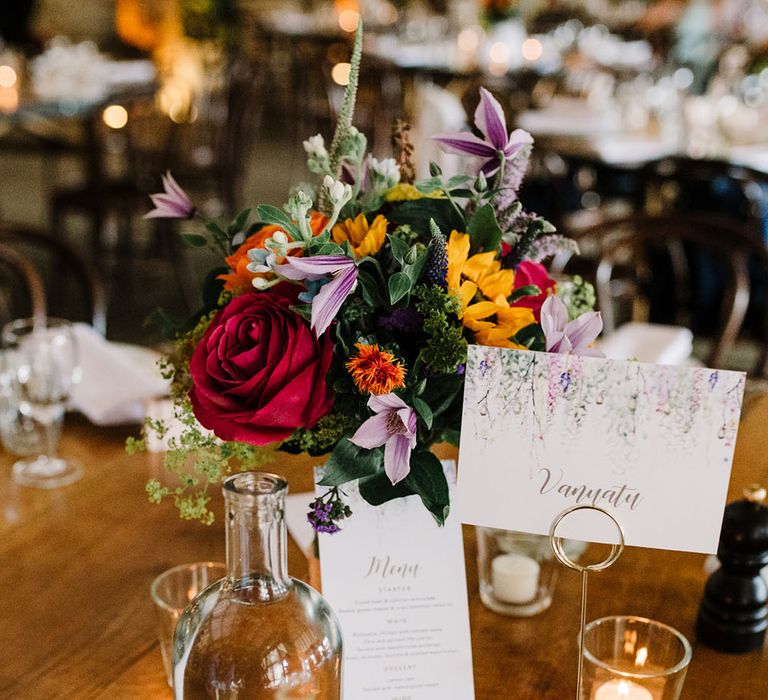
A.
pixel 76 566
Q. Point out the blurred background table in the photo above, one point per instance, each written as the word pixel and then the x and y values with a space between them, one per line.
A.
pixel 78 562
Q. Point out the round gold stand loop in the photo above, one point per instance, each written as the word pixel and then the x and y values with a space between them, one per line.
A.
pixel 557 542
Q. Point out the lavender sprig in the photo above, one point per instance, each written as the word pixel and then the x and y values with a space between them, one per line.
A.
pixel 325 510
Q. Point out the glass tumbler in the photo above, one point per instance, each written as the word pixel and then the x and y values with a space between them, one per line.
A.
pixel 633 658
pixel 517 571
pixel 171 592
pixel 40 365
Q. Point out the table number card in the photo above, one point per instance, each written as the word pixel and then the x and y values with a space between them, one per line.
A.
pixel 397 583
pixel 651 444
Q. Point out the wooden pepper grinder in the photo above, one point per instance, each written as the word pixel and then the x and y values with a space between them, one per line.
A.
pixel 733 615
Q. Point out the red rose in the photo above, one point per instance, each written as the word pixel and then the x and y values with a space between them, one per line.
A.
pixel 528 272
pixel 259 371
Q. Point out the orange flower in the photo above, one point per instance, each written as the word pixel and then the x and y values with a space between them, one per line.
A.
pixel 375 371
pixel 239 280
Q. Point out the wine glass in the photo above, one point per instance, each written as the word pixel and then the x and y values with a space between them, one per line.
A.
pixel 40 366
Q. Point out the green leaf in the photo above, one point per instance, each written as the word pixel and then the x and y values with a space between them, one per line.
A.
pixel 378 489
pixel 530 290
pixel 434 229
pixel 430 185
pixel 530 335
pixel 370 289
pixel 303 310
pixel 462 192
pixel 328 249
pixel 484 231
pixel 458 181
pixel 415 269
pixel 195 240
pixel 399 286
pixel 272 215
pixel 424 411
pixel 349 462
pixel 398 246
pixel 239 222
pixel 213 286
pixel 441 391
pixel 218 232
pixel 427 479
pixel 418 213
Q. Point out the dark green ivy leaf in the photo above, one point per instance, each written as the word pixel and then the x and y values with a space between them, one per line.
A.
pixel 530 290
pixel 195 240
pixel 399 286
pixel 348 462
pixel 427 479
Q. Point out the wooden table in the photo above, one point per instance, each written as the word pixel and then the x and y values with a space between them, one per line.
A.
pixel 77 621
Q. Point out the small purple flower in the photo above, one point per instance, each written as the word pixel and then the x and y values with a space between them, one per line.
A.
pixel 565 381
pixel 173 203
pixel 341 273
pixel 406 320
pixel 497 146
pixel 394 426
pixel 325 510
pixel 569 337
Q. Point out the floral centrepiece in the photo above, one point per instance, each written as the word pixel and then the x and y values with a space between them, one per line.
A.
pixel 341 322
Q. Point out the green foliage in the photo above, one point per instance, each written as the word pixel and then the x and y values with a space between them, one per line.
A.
pixel 484 231
pixel 446 347
pixel 197 460
pixel 349 462
pixel 577 294
pixel 329 431
pixel 417 215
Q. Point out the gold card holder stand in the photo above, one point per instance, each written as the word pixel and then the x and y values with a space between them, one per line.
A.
pixel 556 543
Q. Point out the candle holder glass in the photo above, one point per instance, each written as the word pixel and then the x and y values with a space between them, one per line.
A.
pixel 517 571
pixel 633 658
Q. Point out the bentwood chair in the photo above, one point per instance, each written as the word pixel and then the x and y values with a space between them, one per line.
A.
pixel 22 293
pixel 685 270
pixel 73 290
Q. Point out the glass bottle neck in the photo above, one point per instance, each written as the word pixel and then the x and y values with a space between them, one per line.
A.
pixel 257 567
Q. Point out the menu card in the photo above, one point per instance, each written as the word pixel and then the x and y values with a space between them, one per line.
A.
pixel 651 444
pixel 397 583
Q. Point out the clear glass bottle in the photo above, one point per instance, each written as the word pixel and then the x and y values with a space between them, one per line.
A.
pixel 258 633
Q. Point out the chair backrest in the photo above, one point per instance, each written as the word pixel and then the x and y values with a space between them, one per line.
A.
pixel 73 290
pixel 22 292
pixel 694 267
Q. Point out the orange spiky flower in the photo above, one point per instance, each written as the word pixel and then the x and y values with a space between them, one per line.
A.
pixel 375 371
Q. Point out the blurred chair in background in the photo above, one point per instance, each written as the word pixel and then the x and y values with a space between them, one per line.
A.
pixel 22 293
pixel 55 272
pixel 648 269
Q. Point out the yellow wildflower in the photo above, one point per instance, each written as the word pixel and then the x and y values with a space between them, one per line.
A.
pixel 492 320
pixel 365 239
pixel 404 192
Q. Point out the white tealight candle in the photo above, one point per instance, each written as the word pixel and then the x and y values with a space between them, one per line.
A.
pixel 515 578
pixel 622 690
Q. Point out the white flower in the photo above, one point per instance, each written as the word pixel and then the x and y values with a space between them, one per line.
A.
pixel 386 169
pixel 315 147
pixel 338 192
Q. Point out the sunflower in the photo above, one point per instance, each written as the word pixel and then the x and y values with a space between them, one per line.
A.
pixel 375 371
pixel 364 239
pixel 492 319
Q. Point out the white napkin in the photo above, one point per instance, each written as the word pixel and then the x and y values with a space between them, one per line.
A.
pixel 649 342
pixel 296 509
pixel 117 380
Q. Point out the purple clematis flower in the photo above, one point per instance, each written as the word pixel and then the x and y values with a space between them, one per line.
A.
pixel 393 426
pixel 173 203
pixel 327 302
pixel 497 145
pixel 569 337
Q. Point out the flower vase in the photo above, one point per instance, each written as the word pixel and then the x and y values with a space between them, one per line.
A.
pixel 257 632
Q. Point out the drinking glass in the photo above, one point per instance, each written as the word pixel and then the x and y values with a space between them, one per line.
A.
pixel 40 366
pixel 172 591
pixel 633 658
